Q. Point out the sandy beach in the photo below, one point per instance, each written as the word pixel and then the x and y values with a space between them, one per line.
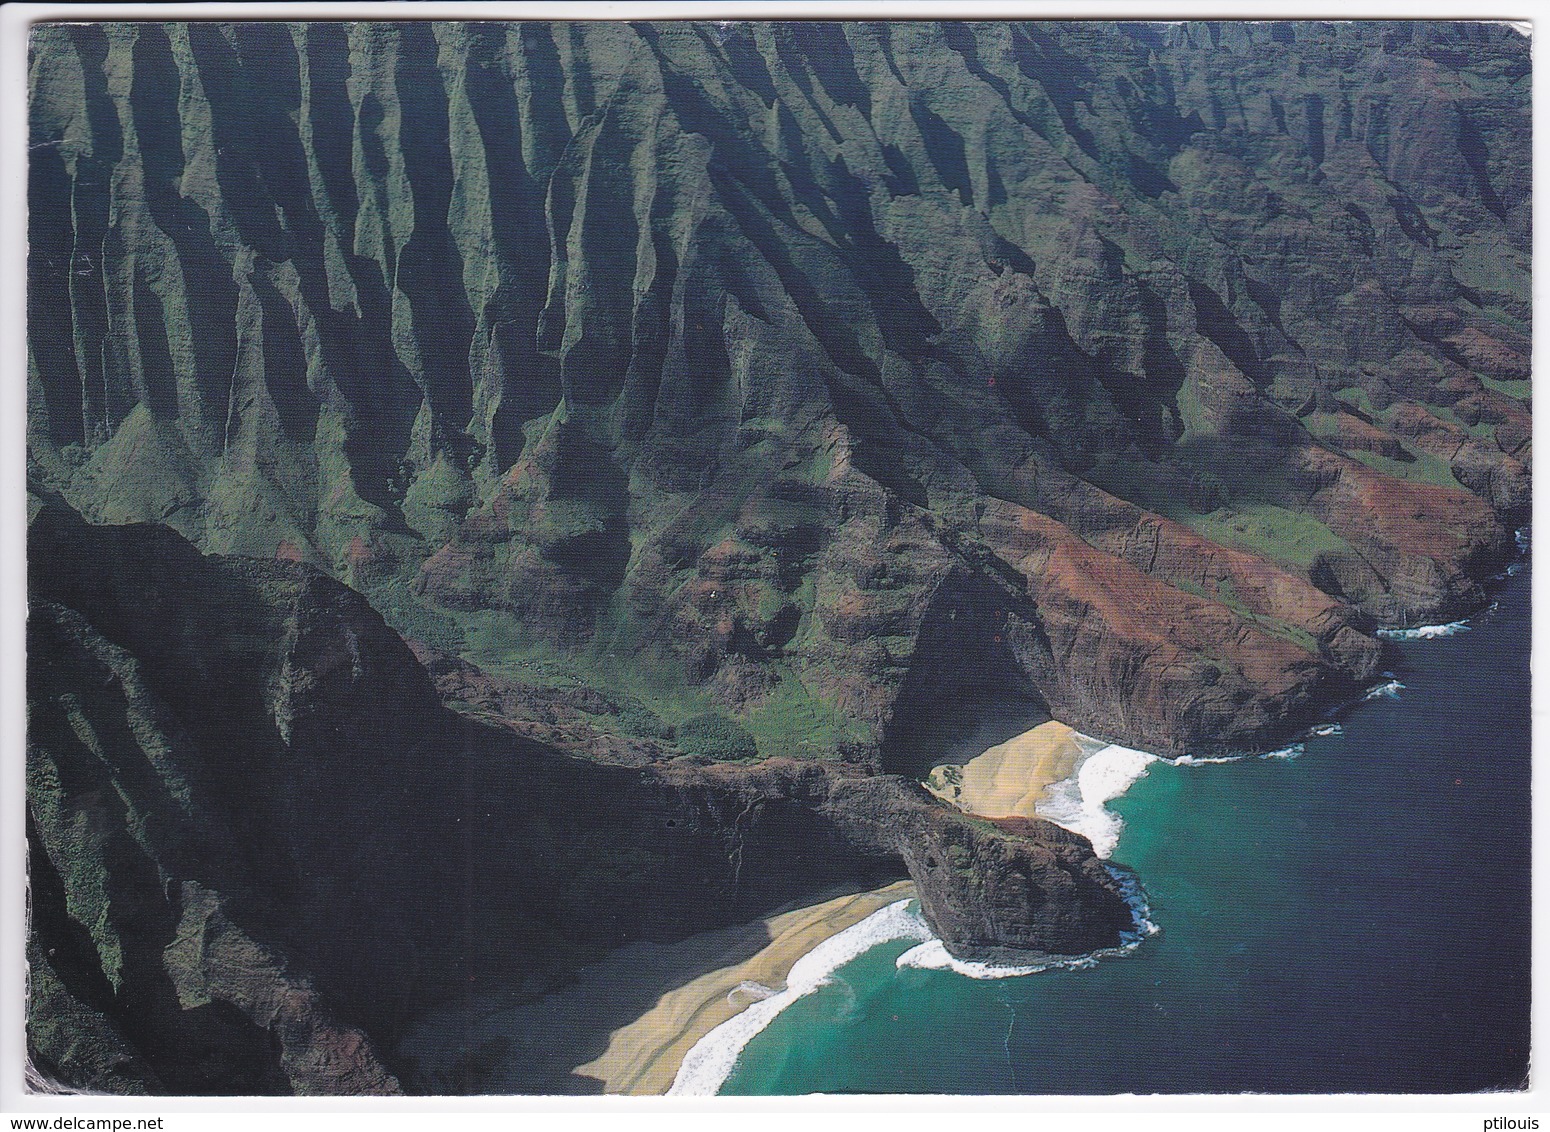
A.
pixel 1009 779
pixel 643 1057
pixel 625 1023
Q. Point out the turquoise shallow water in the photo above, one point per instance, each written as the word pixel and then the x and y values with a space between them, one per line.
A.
pixel 1353 919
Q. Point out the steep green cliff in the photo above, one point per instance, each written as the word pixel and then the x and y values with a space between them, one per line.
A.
pixel 715 406
pixel 727 358
pixel 713 348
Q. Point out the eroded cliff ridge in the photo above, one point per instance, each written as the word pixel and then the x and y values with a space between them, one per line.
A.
pixel 713 408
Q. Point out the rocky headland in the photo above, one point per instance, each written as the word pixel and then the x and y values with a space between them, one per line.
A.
pixel 501 492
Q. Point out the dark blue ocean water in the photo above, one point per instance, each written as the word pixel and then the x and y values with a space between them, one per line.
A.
pixel 1353 919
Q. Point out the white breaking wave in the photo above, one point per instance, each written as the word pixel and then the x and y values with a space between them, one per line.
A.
pixel 1078 802
pixel 708 1064
pixel 1291 751
pixel 1425 632
pixel 1324 730
pixel 1391 688
pixel 1207 760
pixel 934 956
pixel 1523 536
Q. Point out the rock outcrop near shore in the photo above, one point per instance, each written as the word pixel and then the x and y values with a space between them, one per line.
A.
pixel 710 408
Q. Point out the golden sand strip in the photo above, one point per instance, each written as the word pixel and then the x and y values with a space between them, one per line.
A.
pixel 1010 779
pixel 643 1056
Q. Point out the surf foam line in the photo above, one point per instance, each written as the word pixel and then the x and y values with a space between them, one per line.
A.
pixel 1390 688
pixel 1326 730
pixel 1425 632
pixel 1080 803
pixel 1290 751
pixel 710 1061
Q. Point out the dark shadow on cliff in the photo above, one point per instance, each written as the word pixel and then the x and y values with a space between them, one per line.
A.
pixel 954 732
pixel 966 690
